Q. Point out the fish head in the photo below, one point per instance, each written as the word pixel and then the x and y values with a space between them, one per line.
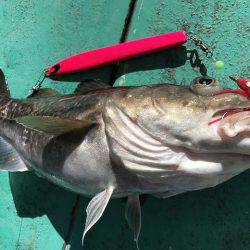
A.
pixel 198 118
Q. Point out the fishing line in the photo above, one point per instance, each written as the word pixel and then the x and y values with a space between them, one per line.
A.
pixel 38 83
pixel 203 46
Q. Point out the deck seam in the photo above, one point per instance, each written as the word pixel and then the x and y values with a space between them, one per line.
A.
pixel 19 233
pixel 124 36
pixel 72 222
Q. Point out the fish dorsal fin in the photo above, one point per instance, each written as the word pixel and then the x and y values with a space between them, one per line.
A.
pixel 3 85
pixel 53 125
pixel 96 208
pixel 44 92
pixel 133 216
pixel 10 159
pixel 90 85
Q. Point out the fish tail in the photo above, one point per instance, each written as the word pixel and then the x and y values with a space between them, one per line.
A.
pixel 9 158
pixel 4 95
pixel 4 90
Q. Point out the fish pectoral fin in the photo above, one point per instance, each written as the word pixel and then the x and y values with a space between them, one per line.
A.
pixel 133 216
pixel 53 125
pixel 96 208
pixel 10 159
pixel 90 85
pixel 44 92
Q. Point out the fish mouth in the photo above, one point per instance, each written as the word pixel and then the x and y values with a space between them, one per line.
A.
pixel 223 112
pixel 235 123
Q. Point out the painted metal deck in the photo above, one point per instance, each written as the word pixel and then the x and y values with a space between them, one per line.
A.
pixel 36 215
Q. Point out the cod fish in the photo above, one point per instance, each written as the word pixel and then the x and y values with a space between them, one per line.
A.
pixel 106 142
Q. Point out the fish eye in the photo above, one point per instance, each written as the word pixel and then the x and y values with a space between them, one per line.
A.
pixel 205 80
pixel 205 86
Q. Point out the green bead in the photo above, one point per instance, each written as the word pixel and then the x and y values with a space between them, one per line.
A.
pixel 219 64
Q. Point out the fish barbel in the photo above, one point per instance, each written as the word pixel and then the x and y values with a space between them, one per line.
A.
pixel 108 142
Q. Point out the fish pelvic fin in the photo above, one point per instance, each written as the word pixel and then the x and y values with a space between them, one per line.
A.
pixel 96 208
pixel 90 85
pixel 54 125
pixel 9 158
pixel 133 216
pixel 4 90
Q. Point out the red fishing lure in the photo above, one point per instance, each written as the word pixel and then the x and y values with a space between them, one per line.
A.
pixel 115 53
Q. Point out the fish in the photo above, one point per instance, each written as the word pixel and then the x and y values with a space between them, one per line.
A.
pixel 110 142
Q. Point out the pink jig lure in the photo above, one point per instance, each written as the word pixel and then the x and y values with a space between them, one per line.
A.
pixel 115 53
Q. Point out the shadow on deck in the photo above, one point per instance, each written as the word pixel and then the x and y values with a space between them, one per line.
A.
pixel 211 216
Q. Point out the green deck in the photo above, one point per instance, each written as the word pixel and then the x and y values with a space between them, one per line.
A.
pixel 35 214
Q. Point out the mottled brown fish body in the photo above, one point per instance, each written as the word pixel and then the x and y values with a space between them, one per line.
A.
pixel 115 142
